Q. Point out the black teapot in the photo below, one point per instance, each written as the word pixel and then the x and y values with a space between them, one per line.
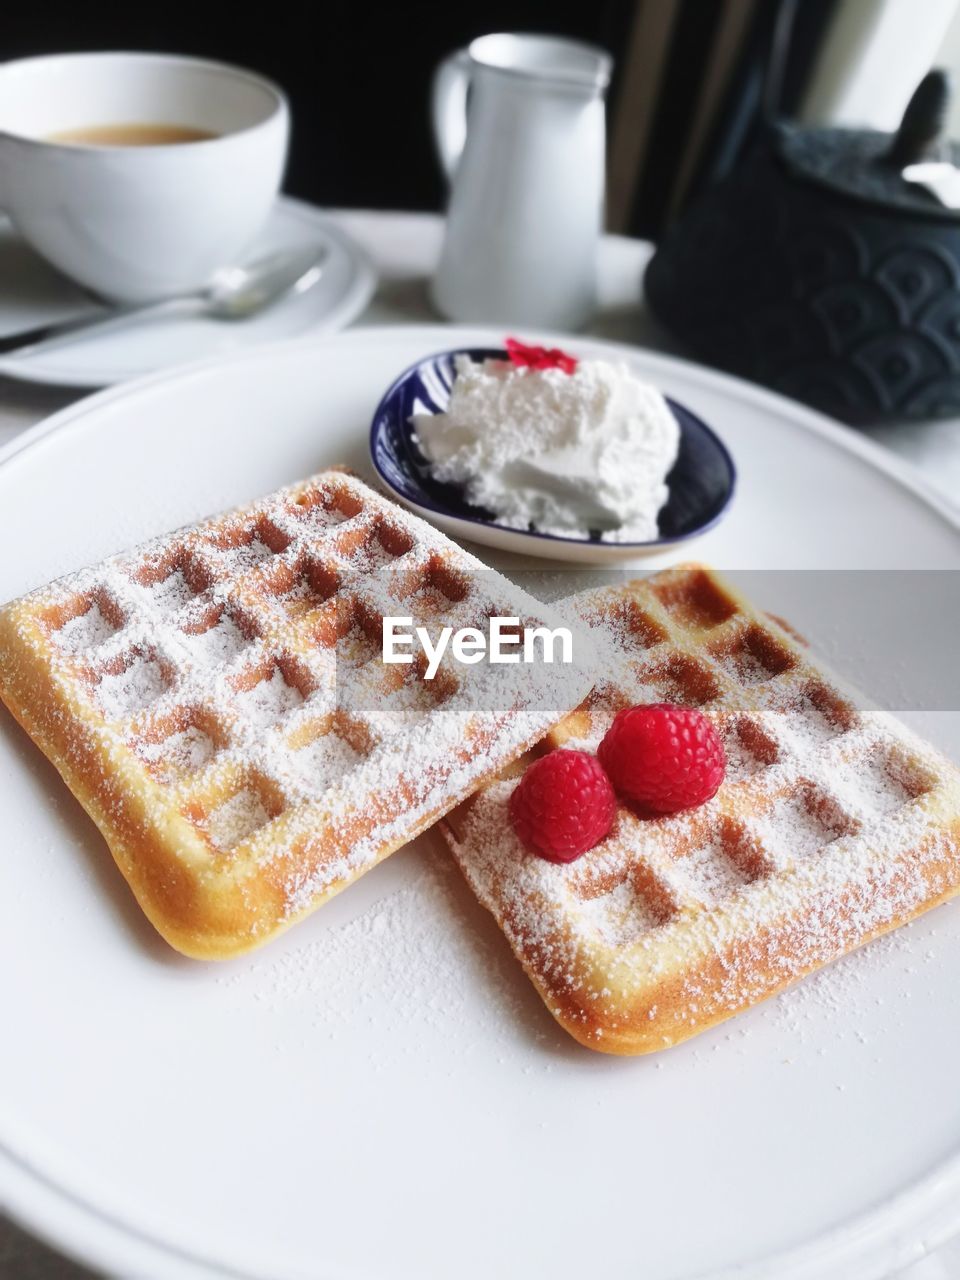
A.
pixel 817 269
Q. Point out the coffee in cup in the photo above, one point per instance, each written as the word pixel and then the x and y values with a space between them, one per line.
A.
pixel 131 135
pixel 138 175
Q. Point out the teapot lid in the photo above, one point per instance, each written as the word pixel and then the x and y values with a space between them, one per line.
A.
pixel 867 164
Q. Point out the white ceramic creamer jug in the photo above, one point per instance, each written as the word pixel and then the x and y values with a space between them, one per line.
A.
pixel 520 127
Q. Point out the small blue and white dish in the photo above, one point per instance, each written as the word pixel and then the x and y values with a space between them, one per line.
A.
pixel 701 482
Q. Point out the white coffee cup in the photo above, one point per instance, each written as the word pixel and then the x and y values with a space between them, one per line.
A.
pixel 139 222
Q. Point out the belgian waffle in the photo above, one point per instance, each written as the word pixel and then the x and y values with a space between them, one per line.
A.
pixel 834 825
pixel 217 701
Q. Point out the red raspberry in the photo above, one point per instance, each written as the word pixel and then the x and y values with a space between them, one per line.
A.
pixel 663 757
pixel 563 805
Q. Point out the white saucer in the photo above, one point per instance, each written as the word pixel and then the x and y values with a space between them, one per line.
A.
pixel 32 293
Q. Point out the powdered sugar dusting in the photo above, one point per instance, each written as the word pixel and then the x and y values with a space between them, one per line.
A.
pixel 619 917
pixel 319 517
pixel 414 956
pixel 85 631
pixel 371 555
pixel 216 676
pixel 219 644
pixel 828 829
pixel 172 592
pixel 745 666
pixel 236 819
pixel 179 753
pixel 808 725
pixel 743 752
pixel 247 555
pixel 132 689
pixel 872 788
pixel 711 875
pixel 795 829
pixel 841 1002
pixel 268 701
pixel 321 763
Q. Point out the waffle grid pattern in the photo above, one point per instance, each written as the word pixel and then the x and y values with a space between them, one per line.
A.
pixel 237 666
pixel 773 708
pixel 824 804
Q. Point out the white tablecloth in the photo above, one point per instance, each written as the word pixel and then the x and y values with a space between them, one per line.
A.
pixel 404 248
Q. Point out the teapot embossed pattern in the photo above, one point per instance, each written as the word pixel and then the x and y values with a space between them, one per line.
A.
pixel 819 270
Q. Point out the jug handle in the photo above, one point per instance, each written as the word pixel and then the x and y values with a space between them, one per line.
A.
pixel 448 105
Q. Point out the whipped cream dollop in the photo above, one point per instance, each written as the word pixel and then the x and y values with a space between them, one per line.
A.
pixel 563 453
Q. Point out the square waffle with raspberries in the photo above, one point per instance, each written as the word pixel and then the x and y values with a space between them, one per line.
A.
pixel 217 702
pixel 833 825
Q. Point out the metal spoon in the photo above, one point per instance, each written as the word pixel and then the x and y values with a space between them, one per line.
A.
pixel 233 293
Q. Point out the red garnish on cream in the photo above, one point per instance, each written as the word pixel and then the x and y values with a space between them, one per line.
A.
pixel 526 357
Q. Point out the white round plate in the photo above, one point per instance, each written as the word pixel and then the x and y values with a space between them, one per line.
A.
pixel 380 1092
pixel 33 293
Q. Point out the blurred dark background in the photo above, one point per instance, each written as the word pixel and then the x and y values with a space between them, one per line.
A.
pixel 358 76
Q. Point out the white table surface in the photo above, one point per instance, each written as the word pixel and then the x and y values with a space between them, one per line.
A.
pixel 404 248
